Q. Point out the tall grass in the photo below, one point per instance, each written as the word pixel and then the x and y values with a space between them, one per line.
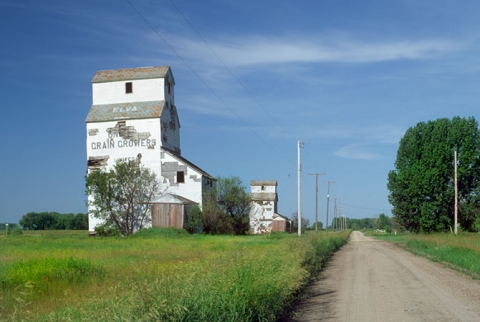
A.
pixel 461 251
pixel 43 272
pixel 164 275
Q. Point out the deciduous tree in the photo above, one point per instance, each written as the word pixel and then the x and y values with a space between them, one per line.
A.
pixel 226 208
pixel 422 183
pixel 121 196
pixel 235 201
pixel 319 225
pixel 383 221
pixel 304 224
pixel 214 219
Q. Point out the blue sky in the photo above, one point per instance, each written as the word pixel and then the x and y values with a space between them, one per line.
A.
pixel 347 78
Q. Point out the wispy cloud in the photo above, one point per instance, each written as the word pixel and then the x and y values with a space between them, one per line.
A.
pixel 244 51
pixel 356 152
pixel 374 134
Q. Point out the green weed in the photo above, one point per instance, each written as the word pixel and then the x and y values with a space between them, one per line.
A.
pixel 461 251
pixel 41 272
pixel 166 276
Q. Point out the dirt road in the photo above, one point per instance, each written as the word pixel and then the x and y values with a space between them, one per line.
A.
pixel 372 280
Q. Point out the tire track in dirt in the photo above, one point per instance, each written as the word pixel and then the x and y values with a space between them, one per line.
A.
pixel 372 280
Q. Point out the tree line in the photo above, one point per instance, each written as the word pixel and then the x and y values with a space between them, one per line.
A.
pixel 382 222
pixel 54 221
pixel 3 226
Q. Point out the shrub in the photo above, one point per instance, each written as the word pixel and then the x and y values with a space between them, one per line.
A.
pixel 16 231
pixel 107 230
pixel 477 224
pixel 156 232
pixel 194 222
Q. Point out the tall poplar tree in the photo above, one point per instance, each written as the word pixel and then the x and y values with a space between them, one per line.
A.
pixel 422 183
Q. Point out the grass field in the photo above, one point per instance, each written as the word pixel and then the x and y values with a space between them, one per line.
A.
pixel 462 252
pixel 158 275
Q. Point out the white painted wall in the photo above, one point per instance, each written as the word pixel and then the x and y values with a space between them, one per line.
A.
pixel 153 134
pixel 144 90
pixel 101 143
pixel 192 188
pixel 262 212
pixel 259 222
pixel 92 221
pixel 265 188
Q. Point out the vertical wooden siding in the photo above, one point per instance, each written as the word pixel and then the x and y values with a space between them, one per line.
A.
pixel 167 215
pixel 279 225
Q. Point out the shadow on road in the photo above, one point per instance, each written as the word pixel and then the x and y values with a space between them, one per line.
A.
pixel 316 302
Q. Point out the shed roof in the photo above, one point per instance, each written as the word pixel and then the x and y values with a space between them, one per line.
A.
pixel 118 111
pixel 131 73
pixel 278 217
pixel 169 198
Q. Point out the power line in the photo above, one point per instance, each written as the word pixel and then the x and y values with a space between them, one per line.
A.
pixel 366 208
pixel 229 70
pixel 202 80
pixel 236 79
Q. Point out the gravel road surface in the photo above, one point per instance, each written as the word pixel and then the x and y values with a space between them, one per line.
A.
pixel 372 280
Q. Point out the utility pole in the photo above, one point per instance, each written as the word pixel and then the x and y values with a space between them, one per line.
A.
pixel 334 224
pixel 316 199
pixel 300 145
pixel 328 201
pixel 341 219
pixel 456 195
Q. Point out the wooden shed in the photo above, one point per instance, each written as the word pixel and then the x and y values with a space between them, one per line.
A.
pixel 170 210
pixel 281 223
